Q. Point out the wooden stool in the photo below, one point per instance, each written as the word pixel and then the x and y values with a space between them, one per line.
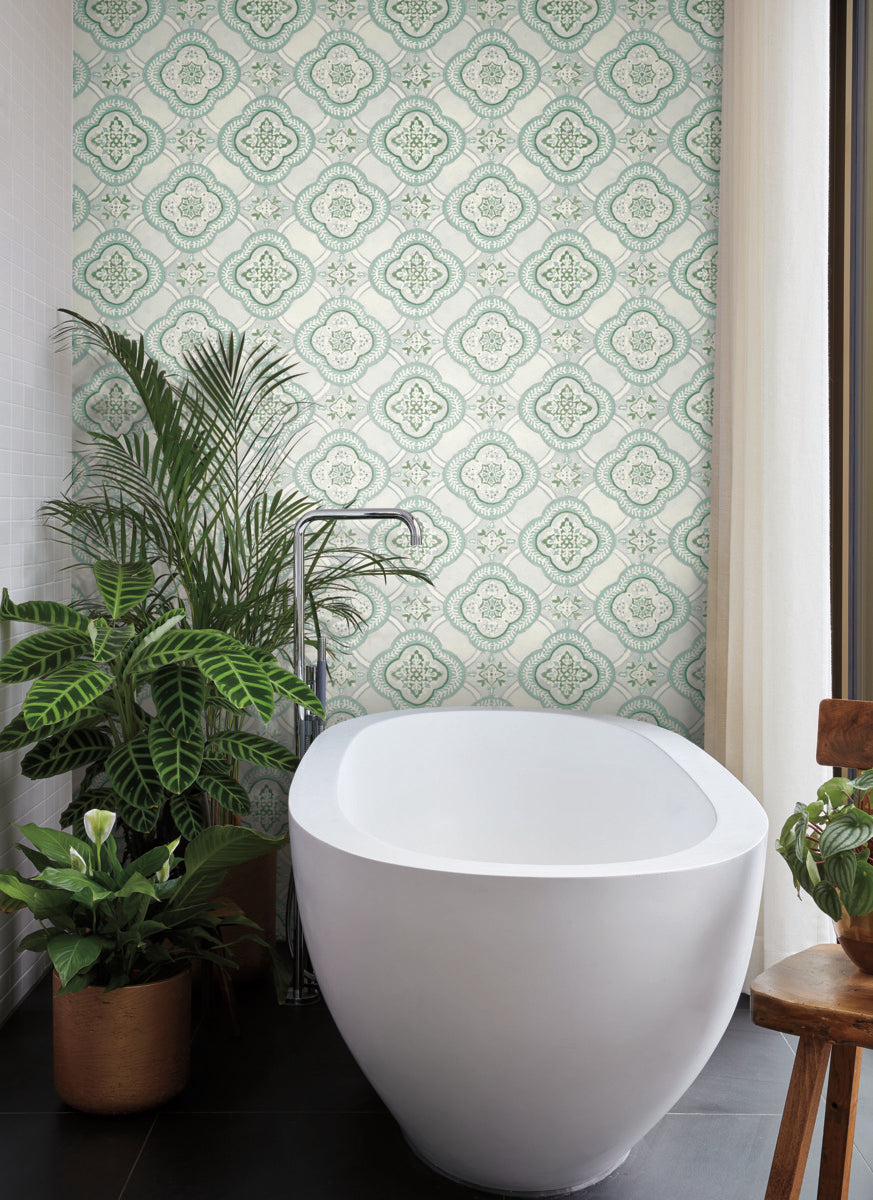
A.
pixel 824 999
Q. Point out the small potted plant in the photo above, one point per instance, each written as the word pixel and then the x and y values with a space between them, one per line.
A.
pixel 827 845
pixel 121 939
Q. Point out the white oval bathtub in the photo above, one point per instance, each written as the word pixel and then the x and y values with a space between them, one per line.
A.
pixel 531 928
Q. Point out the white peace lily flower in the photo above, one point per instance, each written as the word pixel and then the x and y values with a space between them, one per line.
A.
pixel 77 862
pixel 98 825
pixel 164 872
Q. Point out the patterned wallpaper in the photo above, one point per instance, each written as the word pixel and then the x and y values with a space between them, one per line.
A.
pixel 487 230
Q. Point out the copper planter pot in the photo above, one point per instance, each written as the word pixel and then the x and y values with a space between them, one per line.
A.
pixel 856 939
pixel 122 1051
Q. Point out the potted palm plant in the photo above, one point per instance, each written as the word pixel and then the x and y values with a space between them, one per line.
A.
pixel 195 491
pixel 827 845
pixel 121 939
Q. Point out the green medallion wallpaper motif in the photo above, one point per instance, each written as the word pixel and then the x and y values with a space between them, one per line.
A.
pixel 487 230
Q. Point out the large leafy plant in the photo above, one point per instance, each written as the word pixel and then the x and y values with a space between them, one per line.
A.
pixel 149 709
pixel 195 492
pixel 107 924
pixel 827 845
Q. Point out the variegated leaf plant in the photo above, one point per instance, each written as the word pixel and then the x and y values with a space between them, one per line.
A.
pixel 146 708
pixel 827 846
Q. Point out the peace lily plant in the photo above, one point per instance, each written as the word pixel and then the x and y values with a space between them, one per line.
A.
pixel 109 925
pixel 827 845
pixel 150 709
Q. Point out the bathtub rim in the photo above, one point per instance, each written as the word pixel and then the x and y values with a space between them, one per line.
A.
pixel 314 806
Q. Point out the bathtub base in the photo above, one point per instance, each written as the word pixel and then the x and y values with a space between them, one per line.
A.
pixel 551 1193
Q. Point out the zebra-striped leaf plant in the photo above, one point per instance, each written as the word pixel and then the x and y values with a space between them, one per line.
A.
pixel 147 709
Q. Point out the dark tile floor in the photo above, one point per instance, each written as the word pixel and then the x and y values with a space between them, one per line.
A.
pixel 283 1111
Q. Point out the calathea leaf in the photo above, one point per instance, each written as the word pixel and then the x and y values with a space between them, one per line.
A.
pixel 66 752
pixel 286 683
pixel 187 811
pixel 238 677
pixel 63 693
pixel 177 762
pixel 123 585
pixel 252 748
pixel 42 652
pixel 134 776
pixel 139 818
pixel 175 645
pixel 18 733
pixel 108 642
pixel 227 793
pixel 139 644
pixel 42 612
pixel 179 696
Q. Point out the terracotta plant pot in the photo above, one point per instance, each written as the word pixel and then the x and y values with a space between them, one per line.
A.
pixel 856 938
pixel 122 1051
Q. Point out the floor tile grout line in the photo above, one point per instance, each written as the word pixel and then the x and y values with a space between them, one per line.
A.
pixel 139 1155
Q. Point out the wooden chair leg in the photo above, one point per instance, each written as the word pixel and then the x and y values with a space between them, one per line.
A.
pixel 798 1119
pixel 839 1129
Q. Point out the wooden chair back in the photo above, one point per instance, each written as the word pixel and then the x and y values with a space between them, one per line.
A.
pixel 845 734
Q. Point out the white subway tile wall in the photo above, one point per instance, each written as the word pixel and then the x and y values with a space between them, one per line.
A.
pixel 35 380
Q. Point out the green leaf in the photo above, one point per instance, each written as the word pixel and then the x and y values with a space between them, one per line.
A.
pixel 227 793
pixel 252 748
pixel 15 892
pixel 136 885
pixel 150 863
pixel 123 585
pixel 156 629
pixel 177 762
pixel 66 752
pixel 840 870
pixel 134 776
pixel 827 898
pixel 18 733
pixel 71 954
pixel 846 832
pixel 42 612
pixel 860 900
pixel 36 941
pixel 55 844
pixel 238 677
pixel 140 818
pixel 835 791
pixel 175 645
pixel 63 693
pixel 863 783
pixel 179 696
pixel 187 813
pixel 69 880
pixel 286 683
pixel 108 642
pixel 212 853
pixel 42 652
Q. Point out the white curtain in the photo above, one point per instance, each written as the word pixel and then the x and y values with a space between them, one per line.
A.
pixel 768 633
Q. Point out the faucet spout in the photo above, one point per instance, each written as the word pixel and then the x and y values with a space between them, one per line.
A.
pixel 300 526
